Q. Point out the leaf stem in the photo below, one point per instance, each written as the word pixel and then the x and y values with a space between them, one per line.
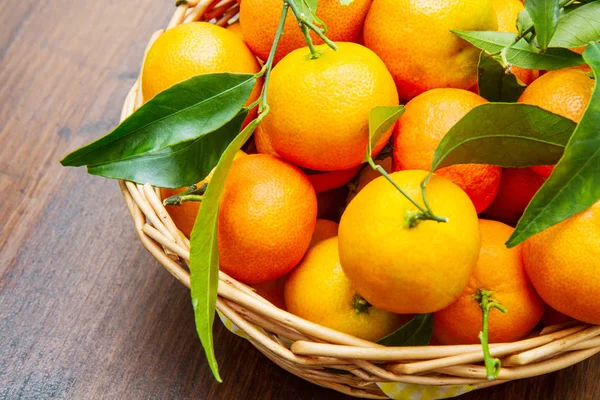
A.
pixel 307 26
pixel 486 303
pixel 264 107
pixel 193 193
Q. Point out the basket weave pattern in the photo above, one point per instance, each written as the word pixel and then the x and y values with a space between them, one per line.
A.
pixel 314 352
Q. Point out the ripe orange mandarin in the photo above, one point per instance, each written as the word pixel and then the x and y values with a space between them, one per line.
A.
pixel 266 218
pixel 320 107
pixel 499 270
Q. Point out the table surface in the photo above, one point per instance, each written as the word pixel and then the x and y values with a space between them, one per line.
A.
pixel 85 311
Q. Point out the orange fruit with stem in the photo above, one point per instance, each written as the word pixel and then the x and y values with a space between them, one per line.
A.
pixel 563 263
pixel 319 291
pixel 260 18
pixel 565 92
pixel 400 263
pixel 517 188
pixel 499 271
pixel 415 41
pixel 335 93
pixel 194 49
pixel 266 218
pixel 507 12
pixel 426 120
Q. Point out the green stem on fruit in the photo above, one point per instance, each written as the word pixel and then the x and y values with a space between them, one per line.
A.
pixel 306 26
pixel 360 305
pixel 413 218
pixel 193 193
pixel 486 303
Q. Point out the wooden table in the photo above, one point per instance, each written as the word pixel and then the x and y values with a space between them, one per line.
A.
pixel 85 312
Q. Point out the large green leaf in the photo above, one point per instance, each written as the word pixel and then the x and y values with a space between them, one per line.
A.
pixel 575 183
pixel 578 27
pixel 204 254
pixel 186 111
pixel 522 54
pixel 495 83
pixel 512 135
pixel 544 14
pixel 180 165
pixel 416 332
pixel 380 120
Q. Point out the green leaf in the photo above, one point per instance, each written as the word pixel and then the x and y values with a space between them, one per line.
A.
pixel 524 22
pixel 495 83
pixel 544 14
pixel 181 165
pixel 512 135
pixel 578 27
pixel 204 254
pixel 416 332
pixel 574 185
pixel 380 120
pixel 522 54
pixel 186 111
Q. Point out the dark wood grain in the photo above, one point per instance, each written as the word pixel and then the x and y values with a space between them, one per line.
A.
pixel 85 312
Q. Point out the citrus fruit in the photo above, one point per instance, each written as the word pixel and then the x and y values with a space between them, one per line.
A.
pixel 563 263
pixel 507 12
pixel 426 120
pixel 367 175
pixel 517 188
pixel 500 271
pixel 266 218
pixel 565 92
pixel 320 107
pixel 237 29
pixel 184 215
pixel 260 18
pixel 405 269
pixel 324 229
pixel 415 41
pixel 319 291
pixel 194 49
pixel 543 170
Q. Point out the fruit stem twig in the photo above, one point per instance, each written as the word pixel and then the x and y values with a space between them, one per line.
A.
pixel 306 25
pixel 266 70
pixel 193 193
pixel 413 218
pixel 492 365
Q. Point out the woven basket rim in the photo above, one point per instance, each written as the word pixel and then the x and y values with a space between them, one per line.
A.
pixel 315 351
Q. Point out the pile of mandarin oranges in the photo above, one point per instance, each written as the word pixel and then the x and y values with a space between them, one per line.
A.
pixel 320 234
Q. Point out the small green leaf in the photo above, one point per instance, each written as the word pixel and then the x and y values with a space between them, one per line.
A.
pixel 204 254
pixel 184 112
pixel 522 54
pixel 416 332
pixel 380 120
pixel 181 165
pixel 574 185
pixel 578 27
pixel 512 135
pixel 524 22
pixel 495 83
pixel 544 14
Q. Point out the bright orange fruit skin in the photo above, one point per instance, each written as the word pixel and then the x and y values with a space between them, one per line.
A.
pixel 260 18
pixel 415 41
pixel 563 263
pixel 320 107
pixel 426 120
pixel 501 271
pixel 319 291
pixel 517 188
pixel 409 270
pixel 266 218
pixel 194 49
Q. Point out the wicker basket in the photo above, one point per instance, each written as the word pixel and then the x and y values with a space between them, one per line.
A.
pixel 321 355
